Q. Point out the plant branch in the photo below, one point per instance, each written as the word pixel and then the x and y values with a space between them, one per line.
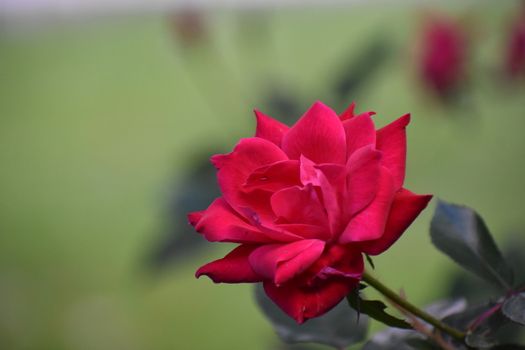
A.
pixel 422 328
pixel 414 310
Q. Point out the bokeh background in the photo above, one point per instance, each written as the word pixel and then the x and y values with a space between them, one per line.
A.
pixel 107 119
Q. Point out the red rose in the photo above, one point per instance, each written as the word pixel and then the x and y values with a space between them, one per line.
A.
pixel 305 203
pixel 443 55
pixel 515 59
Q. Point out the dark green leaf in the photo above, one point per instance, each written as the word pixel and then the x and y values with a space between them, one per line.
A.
pixel 338 328
pixel 514 308
pixel 362 286
pixel 464 319
pixel 376 310
pixel 370 261
pixel 487 325
pixel 403 339
pixel 484 335
pixel 481 340
pixel 465 284
pixel 460 233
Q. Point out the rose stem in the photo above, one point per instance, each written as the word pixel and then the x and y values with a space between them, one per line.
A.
pixel 414 310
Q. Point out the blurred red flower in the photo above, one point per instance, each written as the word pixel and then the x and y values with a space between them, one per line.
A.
pixel 515 56
pixel 306 202
pixel 443 55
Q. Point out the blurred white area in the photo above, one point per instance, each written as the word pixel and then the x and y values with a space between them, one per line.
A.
pixel 20 9
pixel 31 7
pixel 21 16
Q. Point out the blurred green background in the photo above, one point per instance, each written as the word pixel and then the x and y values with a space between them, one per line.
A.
pixel 100 120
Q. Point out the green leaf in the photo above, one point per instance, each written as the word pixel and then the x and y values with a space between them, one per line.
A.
pixel 338 328
pixel 404 339
pixel 459 232
pixel 485 334
pixel 514 308
pixel 487 326
pixel 370 261
pixel 376 310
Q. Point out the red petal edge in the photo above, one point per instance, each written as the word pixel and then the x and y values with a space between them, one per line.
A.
pixel 405 209
pixel 392 142
pixel 233 268
pixel 269 128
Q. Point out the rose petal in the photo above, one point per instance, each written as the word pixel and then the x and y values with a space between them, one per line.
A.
pixel 235 168
pixel 194 217
pixel 334 173
pixel 318 135
pixel 329 178
pixel 233 268
pixel 281 262
pixel 322 286
pixel 269 128
pixel 391 141
pixel 370 222
pixel 348 113
pixel 273 231
pixel 362 180
pixel 345 258
pixel 274 177
pixel 308 173
pixel 299 205
pixel 335 274
pixel 405 208
pixel 220 223
pixel 307 231
pixel 360 131
pixel 328 272
pixel 334 187
pixel 302 303
pixel 316 174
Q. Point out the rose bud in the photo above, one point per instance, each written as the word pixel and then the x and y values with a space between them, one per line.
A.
pixel 443 55
pixel 305 203
pixel 515 54
pixel 188 26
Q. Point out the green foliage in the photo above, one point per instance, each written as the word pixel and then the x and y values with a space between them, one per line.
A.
pixel 403 339
pixel 514 308
pixel 375 309
pixel 460 233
